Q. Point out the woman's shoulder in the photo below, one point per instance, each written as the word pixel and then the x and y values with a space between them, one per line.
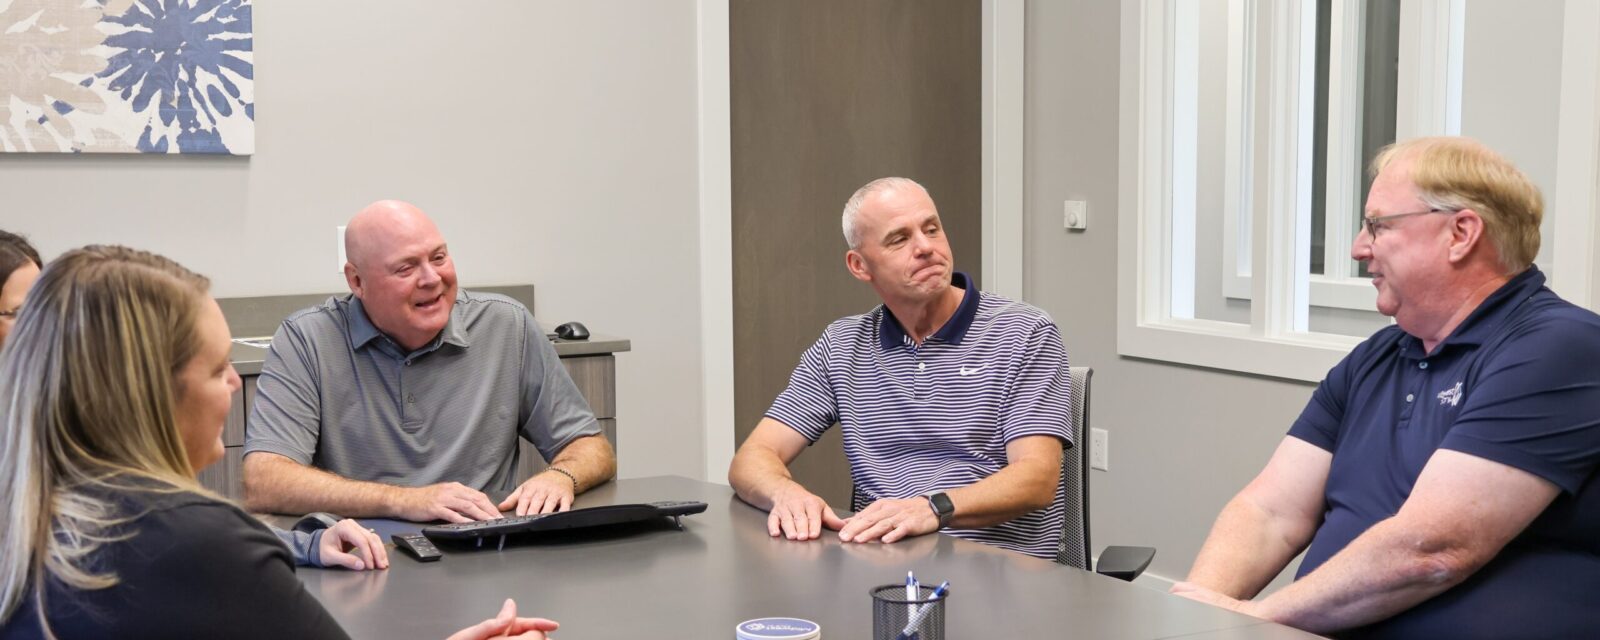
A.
pixel 157 518
pixel 189 513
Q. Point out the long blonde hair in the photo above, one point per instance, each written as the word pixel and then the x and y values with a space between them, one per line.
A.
pixel 87 398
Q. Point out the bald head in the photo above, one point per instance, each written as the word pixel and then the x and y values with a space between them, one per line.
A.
pixel 401 270
pixel 382 225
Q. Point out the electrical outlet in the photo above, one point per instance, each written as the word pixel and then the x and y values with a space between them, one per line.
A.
pixel 1075 215
pixel 1099 449
pixel 339 231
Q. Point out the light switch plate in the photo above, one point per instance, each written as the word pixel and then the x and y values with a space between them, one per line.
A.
pixel 1075 215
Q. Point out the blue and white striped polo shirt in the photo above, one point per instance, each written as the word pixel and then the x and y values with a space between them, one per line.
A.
pixel 935 417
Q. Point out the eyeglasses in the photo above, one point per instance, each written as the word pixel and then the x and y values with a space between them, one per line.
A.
pixel 1370 225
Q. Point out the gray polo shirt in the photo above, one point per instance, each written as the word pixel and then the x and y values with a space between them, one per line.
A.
pixel 338 394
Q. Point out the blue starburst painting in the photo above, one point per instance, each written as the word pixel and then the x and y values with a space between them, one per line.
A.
pixel 147 76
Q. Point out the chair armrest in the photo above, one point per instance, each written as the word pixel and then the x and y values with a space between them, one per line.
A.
pixel 1124 563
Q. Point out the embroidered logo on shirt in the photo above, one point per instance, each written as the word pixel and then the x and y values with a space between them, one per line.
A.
pixel 1451 396
pixel 966 371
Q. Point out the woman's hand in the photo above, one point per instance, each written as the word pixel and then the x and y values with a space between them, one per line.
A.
pixel 507 625
pixel 348 544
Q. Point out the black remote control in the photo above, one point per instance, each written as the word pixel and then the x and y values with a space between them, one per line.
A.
pixel 417 546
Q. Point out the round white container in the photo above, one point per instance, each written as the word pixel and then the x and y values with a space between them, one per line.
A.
pixel 778 629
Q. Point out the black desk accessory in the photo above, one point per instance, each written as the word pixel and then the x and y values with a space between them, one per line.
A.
pixel 417 546
pixel 572 332
pixel 574 519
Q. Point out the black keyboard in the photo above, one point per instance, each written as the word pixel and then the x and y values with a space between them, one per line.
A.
pixel 574 519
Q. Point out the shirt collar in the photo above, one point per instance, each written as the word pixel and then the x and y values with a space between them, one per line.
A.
pixel 362 331
pixel 1492 313
pixel 891 335
pixel 361 328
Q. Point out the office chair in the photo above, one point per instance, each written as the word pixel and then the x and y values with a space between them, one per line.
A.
pixel 1123 563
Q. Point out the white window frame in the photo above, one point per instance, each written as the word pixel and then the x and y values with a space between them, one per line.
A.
pixel 1269 122
pixel 1267 156
pixel 1270 155
pixel 1431 47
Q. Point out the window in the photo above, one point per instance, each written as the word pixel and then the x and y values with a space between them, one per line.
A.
pixel 1355 103
pixel 1247 126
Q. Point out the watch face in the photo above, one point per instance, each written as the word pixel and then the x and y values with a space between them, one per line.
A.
pixel 943 507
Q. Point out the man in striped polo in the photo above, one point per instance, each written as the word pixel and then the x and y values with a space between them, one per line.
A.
pixel 953 401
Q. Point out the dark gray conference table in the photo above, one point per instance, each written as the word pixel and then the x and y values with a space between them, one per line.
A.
pixel 654 581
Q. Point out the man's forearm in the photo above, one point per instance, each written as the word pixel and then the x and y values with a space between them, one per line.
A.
pixel 590 460
pixel 275 484
pixel 1382 572
pixel 756 475
pixel 1015 490
pixel 1245 550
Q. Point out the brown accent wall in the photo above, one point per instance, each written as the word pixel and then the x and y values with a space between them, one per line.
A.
pixel 826 96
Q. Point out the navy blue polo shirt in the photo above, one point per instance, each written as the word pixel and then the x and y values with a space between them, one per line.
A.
pixel 937 416
pixel 1518 382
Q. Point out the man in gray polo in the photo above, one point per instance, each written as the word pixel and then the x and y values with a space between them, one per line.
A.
pixel 404 398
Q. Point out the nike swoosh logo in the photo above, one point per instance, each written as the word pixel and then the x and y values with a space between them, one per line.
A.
pixel 967 372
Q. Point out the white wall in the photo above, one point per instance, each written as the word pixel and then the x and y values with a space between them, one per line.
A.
pixel 1185 439
pixel 554 143
pixel 1511 88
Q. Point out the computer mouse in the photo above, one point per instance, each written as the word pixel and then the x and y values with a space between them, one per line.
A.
pixel 314 521
pixel 572 331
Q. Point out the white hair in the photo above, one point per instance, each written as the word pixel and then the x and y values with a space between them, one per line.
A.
pixel 853 205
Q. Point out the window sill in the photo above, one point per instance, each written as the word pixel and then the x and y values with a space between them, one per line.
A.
pixel 1233 347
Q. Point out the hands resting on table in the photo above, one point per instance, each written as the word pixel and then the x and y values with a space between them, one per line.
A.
pixel 798 514
pixel 348 544
pixel 456 502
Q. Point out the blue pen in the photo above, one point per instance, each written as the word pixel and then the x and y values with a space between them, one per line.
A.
pixel 916 620
pixel 912 591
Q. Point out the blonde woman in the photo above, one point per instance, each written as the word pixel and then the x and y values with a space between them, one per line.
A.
pixel 114 387
pixel 346 544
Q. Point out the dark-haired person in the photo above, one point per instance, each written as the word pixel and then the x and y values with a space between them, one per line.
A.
pixel 118 382
pixel 19 265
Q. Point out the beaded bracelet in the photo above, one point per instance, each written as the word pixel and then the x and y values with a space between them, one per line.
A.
pixel 569 476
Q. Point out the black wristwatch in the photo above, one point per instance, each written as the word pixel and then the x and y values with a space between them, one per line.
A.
pixel 942 507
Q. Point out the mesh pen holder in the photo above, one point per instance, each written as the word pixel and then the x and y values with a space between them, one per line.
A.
pixel 896 617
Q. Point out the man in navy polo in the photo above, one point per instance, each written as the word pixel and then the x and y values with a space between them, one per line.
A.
pixel 1441 480
pixel 953 401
